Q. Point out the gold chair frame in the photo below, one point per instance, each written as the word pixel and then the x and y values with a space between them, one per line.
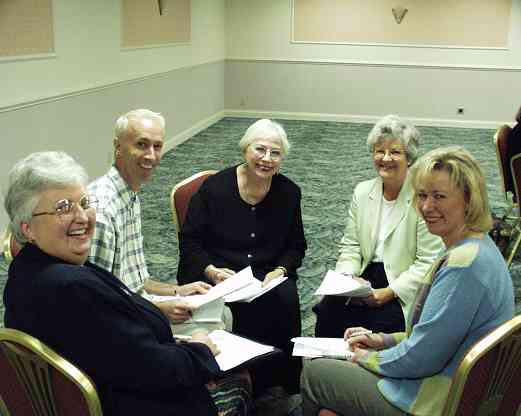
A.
pixel 6 246
pixel 175 214
pixel 509 354
pixel 33 370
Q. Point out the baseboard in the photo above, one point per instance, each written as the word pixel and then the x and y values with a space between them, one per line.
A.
pixel 352 118
pixel 192 131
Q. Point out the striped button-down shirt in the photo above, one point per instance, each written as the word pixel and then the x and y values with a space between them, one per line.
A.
pixel 117 245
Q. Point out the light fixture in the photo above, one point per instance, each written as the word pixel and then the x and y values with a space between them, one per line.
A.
pixel 399 13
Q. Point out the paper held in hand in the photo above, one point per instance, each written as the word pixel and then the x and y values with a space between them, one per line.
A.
pixel 322 347
pixel 253 290
pixel 337 284
pixel 236 350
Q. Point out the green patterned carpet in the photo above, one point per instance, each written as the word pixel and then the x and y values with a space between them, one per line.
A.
pixel 327 160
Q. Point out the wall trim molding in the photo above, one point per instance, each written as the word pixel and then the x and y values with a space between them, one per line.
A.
pixel 352 118
pixel 192 131
pixel 99 88
pixel 376 64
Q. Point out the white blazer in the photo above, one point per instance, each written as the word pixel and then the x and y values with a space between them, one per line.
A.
pixel 409 248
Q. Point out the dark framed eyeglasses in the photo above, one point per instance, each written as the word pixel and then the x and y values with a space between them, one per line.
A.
pixel 64 207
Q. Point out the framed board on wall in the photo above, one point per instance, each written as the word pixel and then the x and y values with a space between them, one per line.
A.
pixel 26 28
pixel 440 23
pixel 149 23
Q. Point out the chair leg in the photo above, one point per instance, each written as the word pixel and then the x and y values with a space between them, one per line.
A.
pixel 515 248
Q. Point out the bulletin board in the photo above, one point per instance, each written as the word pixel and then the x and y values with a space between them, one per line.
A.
pixel 451 23
pixel 26 27
pixel 154 22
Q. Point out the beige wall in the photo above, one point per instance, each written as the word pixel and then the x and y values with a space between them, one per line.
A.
pixel 440 22
pixel 266 74
pixel 70 103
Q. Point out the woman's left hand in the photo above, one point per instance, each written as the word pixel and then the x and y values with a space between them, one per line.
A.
pixel 193 288
pixel 379 297
pixel 272 275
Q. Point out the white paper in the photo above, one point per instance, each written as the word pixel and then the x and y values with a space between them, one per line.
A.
pixel 321 347
pixel 230 285
pixel 335 283
pixel 253 290
pixel 235 350
pixel 206 313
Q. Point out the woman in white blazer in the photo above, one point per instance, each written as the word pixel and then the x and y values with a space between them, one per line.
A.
pixel 385 241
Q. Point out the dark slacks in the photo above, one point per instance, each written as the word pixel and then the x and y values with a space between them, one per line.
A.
pixel 334 316
pixel 273 318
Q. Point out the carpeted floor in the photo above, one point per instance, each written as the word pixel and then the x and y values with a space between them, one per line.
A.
pixel 327 160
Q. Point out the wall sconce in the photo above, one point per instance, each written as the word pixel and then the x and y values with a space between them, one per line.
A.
pixel 399 13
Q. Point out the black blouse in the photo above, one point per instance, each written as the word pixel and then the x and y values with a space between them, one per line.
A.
pixel 222 229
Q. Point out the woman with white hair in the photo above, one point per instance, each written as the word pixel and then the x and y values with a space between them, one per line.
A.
pixel 385 242
pixel 122 341
pixel 250 215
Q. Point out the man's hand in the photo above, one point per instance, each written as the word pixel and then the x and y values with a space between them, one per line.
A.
pixel 193 288
pixel 177 311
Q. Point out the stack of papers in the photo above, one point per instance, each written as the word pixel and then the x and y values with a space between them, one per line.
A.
pixel 322 347
pixel 337 284
pixel 236 350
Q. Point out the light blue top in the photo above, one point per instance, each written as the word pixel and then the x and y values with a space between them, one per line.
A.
pixel 466 294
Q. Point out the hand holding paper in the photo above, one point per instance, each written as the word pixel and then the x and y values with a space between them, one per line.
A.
pixel 337 284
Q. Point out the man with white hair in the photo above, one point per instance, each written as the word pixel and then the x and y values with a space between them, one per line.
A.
pixel 117 245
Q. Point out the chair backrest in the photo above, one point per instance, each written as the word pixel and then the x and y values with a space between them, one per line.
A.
pixel 501 142
pixel 182 193
pixel 515 169
pixel 10 246
pixel 487 380
pixel 36 381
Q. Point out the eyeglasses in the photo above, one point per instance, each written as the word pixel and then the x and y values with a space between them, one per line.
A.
pixel 65 207
pixel 261 151
pixel 393 153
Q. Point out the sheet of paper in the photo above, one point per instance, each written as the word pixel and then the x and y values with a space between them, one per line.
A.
pixel 254 290
pixel 236 350
pixel 205 312
pixel 335 283
pixel 321 347
pixel 230 285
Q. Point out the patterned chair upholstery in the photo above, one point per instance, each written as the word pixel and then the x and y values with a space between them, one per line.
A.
pixel 182 193
pixel 36 381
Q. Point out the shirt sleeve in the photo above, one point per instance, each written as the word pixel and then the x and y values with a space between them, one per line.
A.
pixel 120 350
pixel 193 258
pixel 104 244
pixel 428 247
pixel 350 258
pixel 296 244
pixel 432 342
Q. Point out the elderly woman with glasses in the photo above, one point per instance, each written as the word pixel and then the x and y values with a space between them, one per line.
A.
pixel 250 215
pixel 123 342
pixel 385 243
pixel 466 294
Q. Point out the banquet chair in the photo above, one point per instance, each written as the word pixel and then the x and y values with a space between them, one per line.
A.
pixel 36 381
pixel 515 168
pixel 501 143
pixel 182 193
pixel 10 246
pixel 487 380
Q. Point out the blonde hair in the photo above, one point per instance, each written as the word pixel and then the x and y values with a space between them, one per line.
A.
pixel 465 174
